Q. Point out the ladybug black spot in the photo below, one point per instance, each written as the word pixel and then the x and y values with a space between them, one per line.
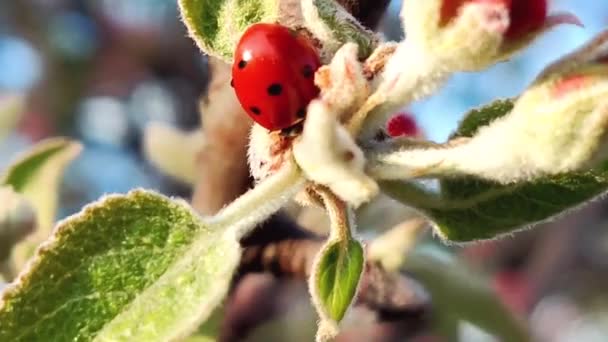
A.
pixel 301 113
pixel 255 110
pixel 232 83
pixel 307 71
pixel 275 89
pixel 242 64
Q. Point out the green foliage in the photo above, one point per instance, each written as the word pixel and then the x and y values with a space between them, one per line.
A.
pixel 138 267
pixel 481 117
pixel 469 209
pixel 37 176
pixel 210 330
pixel 216 25
pixel 458 295
pixel 337 273
pixel 334 26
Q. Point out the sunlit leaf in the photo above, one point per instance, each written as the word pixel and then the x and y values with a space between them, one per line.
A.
pixel 216 25
pixel 334 26
pixel 37 175
pixel 138 267
pixel 468 208
pixel 337 274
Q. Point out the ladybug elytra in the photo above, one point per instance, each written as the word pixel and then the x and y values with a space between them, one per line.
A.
pixel 273 75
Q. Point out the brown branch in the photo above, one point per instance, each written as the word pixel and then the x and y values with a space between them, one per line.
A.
pixel 222 163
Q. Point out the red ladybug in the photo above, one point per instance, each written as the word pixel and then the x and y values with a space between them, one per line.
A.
pixel 273 75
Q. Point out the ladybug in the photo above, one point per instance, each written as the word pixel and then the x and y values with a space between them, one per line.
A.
pixel 273 75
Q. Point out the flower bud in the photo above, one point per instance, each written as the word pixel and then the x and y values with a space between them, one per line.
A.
pixel 469 35
pixel 402 125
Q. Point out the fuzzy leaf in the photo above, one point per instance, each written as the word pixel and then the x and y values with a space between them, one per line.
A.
pixel 10 111
pixel 135 267
pixel 334 27
pixel 37 176
pixel 457 295
pixel 481 117
pixel 469 209
pixel 217 25
pixel 337 273
pixel 210 330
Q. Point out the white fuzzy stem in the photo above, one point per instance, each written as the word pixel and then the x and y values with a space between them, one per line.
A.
pixel 409 164
pixel 261 202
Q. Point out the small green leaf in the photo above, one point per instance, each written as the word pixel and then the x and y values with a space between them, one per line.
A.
pixel 37 176
pixel 483 116
pixel 469 209
pixel 11 108
pixel 458 294
pixel 135 267
pixel 217 25
pixel 337 272
pixel 334 26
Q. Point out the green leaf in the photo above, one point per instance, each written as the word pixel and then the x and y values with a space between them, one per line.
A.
pixel 37 176
pixel 334 26
pixel 469 209
pixel 11 108
pixel 337 272
pixel 483 116
pixel 210 330
pixel 217 25
pixel 458 294
pixel 135 267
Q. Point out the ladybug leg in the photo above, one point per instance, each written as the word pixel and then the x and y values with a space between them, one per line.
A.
pixel 294 130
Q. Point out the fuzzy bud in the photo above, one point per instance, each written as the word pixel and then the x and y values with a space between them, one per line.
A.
pixel 470 35
pixel 402 125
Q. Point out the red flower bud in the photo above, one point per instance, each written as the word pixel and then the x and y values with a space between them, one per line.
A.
pixel 525 16
pixel 402 124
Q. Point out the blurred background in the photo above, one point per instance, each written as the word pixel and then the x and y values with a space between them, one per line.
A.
pixel 100 71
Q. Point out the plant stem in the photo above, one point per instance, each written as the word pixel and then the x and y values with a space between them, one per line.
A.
pixel 261 202
pixel 340 215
